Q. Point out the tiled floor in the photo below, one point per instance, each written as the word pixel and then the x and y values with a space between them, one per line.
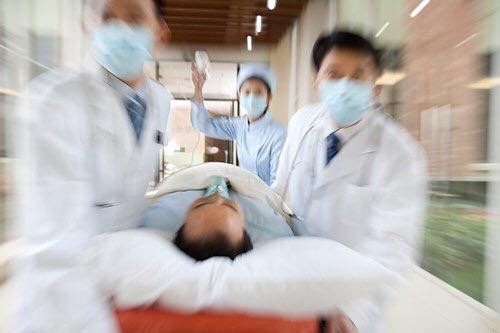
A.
pixel 427 304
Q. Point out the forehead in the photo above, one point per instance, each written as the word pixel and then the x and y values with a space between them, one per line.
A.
pixel 204 209
pixel 253 83
pixel 210 218
pixel 347 59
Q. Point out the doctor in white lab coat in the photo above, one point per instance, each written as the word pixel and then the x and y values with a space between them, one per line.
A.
pixel 89 147
pixel 352 174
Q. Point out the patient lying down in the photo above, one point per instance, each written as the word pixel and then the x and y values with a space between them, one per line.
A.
pixel 215 222
pixel 204 217
pixel 214 226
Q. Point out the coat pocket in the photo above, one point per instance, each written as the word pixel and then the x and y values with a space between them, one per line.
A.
pixel 356 202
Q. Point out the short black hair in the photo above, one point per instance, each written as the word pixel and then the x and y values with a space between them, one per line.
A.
pixel 157 4
pixel 217 245
pixel 343 39
pixel 159 9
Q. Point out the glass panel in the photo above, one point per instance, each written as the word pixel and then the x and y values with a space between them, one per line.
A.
pixel 438 82
pixel 219 150
pixel 221 84
pixel 186 146
pixel 35 37
pixel 455 233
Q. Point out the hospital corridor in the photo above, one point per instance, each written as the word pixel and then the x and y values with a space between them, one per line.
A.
pixel 249 166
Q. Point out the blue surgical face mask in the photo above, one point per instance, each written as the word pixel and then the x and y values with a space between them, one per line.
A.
pixel 255 105
pixel 346 100
pixel 122 49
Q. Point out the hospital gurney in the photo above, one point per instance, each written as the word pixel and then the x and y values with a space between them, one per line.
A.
pixel 270 289
pixel 162 321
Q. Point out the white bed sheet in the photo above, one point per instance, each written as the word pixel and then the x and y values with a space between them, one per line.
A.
pixel 294 276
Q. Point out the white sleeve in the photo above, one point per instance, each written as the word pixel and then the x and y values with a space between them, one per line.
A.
pixel 285 159
pixel 54 291
pixel 397 213
pixel 276 150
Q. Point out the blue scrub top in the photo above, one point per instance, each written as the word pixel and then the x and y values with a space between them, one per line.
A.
pixel 258 145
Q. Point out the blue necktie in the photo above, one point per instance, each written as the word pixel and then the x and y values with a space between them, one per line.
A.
pixel 332 147
pixel 136 109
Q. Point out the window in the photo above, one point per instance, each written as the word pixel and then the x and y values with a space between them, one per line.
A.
pixel 440 83
pixel 186 146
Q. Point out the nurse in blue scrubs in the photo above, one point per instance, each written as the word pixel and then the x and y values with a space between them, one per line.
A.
pixel 259 137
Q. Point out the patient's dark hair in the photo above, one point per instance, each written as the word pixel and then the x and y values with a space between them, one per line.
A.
pixel 217 245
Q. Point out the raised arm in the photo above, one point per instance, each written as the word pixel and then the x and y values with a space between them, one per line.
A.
pixel 223 128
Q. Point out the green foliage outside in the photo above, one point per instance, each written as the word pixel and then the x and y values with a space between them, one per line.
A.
pixel 455 243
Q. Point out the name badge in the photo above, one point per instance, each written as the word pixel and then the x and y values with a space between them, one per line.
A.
pixel 159 137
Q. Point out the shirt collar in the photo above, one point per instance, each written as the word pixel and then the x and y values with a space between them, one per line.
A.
pixel 344 134
pixel 95 69
pixel 124 89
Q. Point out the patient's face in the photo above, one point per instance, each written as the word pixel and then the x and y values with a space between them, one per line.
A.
pixel 212 214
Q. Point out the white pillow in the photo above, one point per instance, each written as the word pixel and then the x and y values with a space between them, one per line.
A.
pixel 296 276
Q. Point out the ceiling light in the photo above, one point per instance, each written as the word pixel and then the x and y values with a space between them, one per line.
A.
pixel 485 83
pixel 249 43
pixel 382 30
pixel 390 78
pixel 212 150
pixel 466 40
pixel 271 4
pixel 419 7
pixel 258 24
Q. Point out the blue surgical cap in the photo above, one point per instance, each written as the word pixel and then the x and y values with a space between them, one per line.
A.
pixel 259 71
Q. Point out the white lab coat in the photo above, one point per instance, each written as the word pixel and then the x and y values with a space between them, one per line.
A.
pixel 371 197
pixel 83 174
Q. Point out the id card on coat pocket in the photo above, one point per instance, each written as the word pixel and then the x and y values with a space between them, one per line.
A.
pixel 160 137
